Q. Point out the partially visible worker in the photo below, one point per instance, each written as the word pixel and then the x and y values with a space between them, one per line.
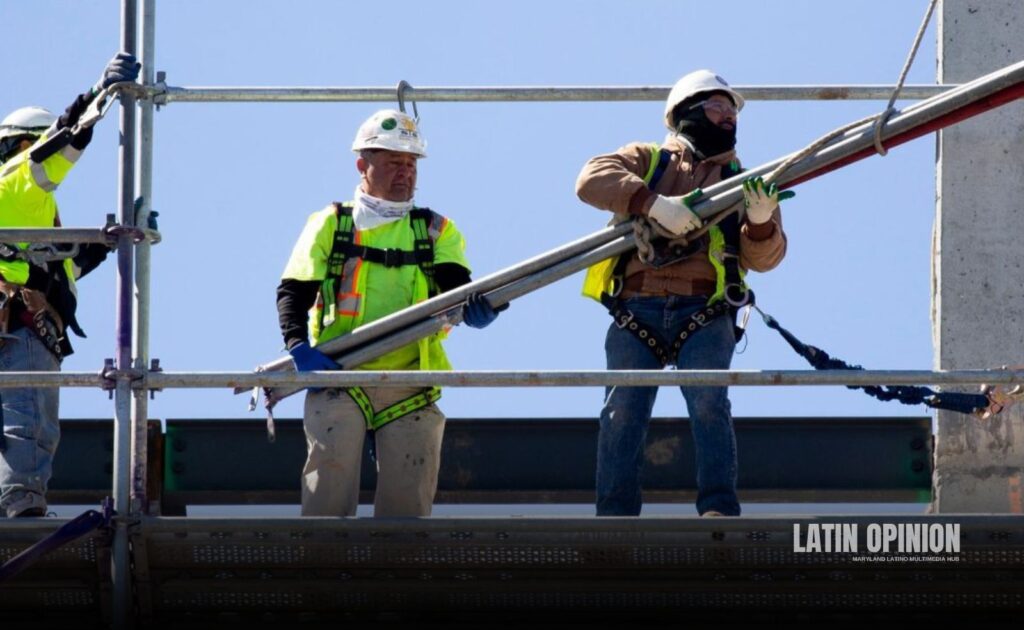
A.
pixel 354 263
pixel 38 299
pixel 676 305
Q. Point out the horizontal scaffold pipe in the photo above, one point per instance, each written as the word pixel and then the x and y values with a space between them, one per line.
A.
pixel 55 235
pixel 53 379
pixel 214 94
pixel 581 378
pixel 384 335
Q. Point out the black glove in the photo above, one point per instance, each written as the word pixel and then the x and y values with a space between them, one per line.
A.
pixel 123 67
pixel 90 256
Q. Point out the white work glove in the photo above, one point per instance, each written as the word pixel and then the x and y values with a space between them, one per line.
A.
pixel 674 214
pixel 761 203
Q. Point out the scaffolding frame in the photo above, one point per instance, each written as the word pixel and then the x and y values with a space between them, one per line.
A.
pixel 131 378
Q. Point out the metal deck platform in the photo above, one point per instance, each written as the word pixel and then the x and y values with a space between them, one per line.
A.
pixel 314 570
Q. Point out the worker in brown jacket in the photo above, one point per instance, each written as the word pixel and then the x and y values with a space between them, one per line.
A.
pixel 674 302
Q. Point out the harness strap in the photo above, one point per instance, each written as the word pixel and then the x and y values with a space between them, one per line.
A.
pixel 666 353
pixel 344 246
pixel 377 419
pixel 386 257
pixel 423 245
pixel 736 292
pixel 67 533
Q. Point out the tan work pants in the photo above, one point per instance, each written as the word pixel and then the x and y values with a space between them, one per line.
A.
pixel 408 455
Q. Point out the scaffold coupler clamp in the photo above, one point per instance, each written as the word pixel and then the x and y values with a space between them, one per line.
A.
pixel 1001 398
pixel 154 367
pixel 115 230
pixel 107 375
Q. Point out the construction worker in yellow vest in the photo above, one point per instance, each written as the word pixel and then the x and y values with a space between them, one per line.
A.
pixel 354 263
pixel 37 288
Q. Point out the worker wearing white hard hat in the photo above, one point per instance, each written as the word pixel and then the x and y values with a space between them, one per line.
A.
pixel 674 299
pixel 354 263
pixel 23 125
pixel 38 299
pixel 391 130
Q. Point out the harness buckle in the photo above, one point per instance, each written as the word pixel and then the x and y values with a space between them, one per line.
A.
pixel 737 295
pixel 624 319
pixel 393 257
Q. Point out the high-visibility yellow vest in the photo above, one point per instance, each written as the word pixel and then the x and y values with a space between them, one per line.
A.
pixel 26 200
pixel 366 291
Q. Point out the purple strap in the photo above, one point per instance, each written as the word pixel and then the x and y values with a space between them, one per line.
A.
pixel 69 532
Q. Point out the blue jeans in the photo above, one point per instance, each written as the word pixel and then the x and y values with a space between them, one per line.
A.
pixel 627 410
pixel 31 426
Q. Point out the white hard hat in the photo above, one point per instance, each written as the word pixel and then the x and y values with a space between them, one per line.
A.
pixel 693 84
pixel 27 120
pixel 392 130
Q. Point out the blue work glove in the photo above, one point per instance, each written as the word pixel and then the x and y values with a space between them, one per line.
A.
pixel 478 312
pixel 308 359
pixel 123 67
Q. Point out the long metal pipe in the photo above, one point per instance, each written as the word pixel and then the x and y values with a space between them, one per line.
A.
pixel 446 301
pixel 970 99
pixel 221 94
pixel 581 378
pixel 140 338
pixel 453 316
pixel 121 567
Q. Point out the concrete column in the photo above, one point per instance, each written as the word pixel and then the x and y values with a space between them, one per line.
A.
pixel 978 275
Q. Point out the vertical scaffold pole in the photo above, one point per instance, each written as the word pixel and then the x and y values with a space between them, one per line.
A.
pixel 122 600
pixel 144 183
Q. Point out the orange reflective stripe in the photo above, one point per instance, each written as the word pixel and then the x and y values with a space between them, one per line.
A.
pixel 437 225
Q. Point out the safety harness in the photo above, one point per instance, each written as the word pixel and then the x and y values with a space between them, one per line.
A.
pixel 731 293
pixel 344 249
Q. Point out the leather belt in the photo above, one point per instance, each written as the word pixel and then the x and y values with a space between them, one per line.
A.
pixel 634 286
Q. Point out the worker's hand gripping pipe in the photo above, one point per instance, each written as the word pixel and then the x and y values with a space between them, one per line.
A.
pixel 98 108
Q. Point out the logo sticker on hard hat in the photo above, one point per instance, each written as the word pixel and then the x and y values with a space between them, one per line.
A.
pixel 388 124
pixel 409 124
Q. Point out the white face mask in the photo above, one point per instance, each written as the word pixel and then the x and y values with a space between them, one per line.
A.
pixel 370 212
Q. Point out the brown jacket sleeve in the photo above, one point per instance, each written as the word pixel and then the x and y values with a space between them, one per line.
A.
pixel 614 181
pixel 762 247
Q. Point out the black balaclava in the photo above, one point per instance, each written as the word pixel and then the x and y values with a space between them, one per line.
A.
pixel 707 138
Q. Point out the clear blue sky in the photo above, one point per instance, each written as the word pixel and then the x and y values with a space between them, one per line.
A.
pixel 235 182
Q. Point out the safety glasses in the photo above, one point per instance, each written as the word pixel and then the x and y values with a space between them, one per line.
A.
pixel 724 109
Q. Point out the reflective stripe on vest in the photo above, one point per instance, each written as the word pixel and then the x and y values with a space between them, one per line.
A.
pixel 341 298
